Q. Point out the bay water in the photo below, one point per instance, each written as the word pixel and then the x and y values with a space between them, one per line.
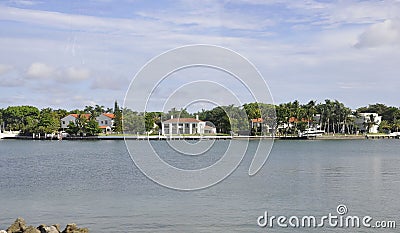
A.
pixel 96 185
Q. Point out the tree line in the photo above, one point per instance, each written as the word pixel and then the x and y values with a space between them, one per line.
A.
pixel 331 116
pixel 30 120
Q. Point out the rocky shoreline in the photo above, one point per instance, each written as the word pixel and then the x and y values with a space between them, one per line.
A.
pixel 19 226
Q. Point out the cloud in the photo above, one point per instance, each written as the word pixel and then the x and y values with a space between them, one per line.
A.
pixel 66 21
pixel 94 56
pixel 5 68
pixel 386 33
pixel 11 81
pixel 25 2
pixel 110 83
pixel 40 70
pixel 329 14
pixel 76 74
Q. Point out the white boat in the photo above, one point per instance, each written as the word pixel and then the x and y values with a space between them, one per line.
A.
pixel 7 134
pixel 312 132
pixel 394 134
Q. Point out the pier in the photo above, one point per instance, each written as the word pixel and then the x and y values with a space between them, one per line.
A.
pixel 382 136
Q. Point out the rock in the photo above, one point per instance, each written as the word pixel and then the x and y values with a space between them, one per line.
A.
pixel 49 229
pixel 3 231
pixel 19 226
pixel 72 228
pixel 57 226
pixel 31 229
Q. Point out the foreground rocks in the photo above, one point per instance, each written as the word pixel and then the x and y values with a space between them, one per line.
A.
pixel 19 226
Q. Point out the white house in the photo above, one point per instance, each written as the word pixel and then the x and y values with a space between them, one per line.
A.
pixel 186 126
pixel 105 120
pixel 71 118
pixel 373 119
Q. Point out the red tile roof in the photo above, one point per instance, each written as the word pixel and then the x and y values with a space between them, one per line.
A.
pixel 110 115
pixel 86 115
pixel 294 119
pixel 257 120
pixel 182 120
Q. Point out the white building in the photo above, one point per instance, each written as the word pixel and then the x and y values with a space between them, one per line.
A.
pixel 105 121
pixel 176 126
pixel 371 119
pixel 71 118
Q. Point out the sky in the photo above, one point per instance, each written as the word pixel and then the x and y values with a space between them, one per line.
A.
pixel 68 54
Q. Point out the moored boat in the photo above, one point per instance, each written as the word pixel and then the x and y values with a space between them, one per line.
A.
pixel 311 132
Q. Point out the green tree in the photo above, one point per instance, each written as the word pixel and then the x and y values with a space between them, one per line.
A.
pixel 220 119
pixel 253 110
pixel 88 109
pixel 369 123
pixel 396 125
pixel 1 119
pixel 79 125
pixel 91 128
pixel 118 124
pixel 384 126
pixel 133 122
pixel 49 121
pixel 149 121
pixel 99 109
pixel 183 113
pixel 23 118
pixel 152 121
pixel 72 129
pixel 61 113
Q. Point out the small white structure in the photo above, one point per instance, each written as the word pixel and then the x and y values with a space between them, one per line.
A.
pixel 175 126
pixel 370 121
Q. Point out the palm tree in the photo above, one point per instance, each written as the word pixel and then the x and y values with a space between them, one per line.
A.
pixel 396 125
pixel 369 123
pixel 326 114
pixel 310 110
pixel 99 109
pixel 88 109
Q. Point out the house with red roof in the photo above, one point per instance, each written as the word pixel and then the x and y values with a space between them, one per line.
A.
pixel 105 120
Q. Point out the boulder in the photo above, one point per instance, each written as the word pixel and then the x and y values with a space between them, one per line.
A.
pixel 49 229
pixel 19 226
pixel 72 228
pixel 31 229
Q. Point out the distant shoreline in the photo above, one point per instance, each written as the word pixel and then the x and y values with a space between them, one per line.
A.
pixel 161 138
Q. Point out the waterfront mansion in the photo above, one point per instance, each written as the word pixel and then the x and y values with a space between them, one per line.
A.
pixel 182 126
pixel 105 120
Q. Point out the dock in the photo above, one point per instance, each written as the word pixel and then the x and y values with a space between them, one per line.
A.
pixel 382 136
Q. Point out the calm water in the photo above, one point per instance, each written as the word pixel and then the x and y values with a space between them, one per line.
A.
pixel 96 185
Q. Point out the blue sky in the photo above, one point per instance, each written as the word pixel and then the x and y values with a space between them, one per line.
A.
pixel 68 54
